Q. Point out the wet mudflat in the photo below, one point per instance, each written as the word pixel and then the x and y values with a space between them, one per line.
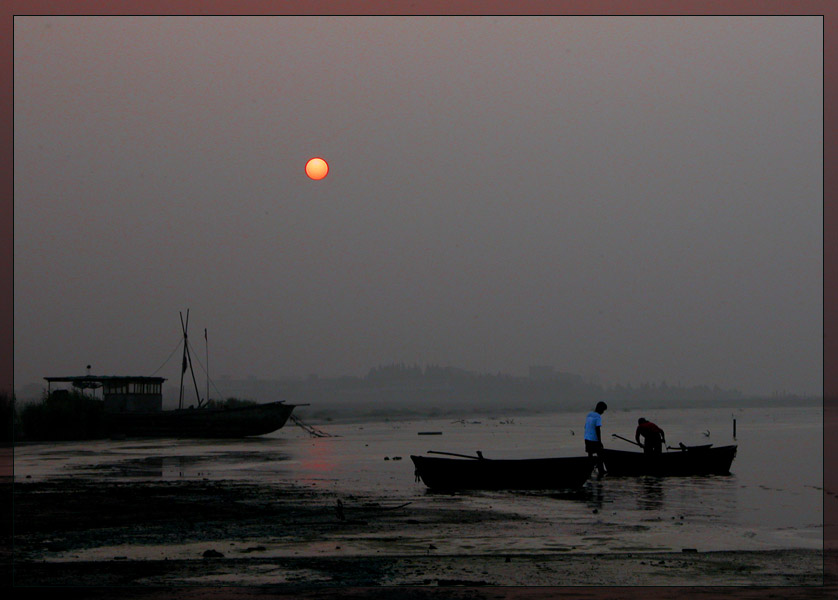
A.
pixel 288 512
pixel 206 533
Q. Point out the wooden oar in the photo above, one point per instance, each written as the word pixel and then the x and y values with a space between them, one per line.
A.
pixel 635 443
pixel 625 439
pixel 478 457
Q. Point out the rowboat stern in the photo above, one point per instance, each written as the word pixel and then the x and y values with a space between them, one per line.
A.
pixel 688 461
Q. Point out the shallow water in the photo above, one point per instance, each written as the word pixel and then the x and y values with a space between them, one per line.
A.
pixel 772 499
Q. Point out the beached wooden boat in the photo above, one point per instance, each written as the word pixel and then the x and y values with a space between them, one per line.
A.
pixel 133 407
pixel 694 460
pixel 245 421
pixel 473 473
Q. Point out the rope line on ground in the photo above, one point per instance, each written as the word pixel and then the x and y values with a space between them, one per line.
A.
pixel 312 431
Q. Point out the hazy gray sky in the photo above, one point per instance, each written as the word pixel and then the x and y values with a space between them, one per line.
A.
pixel 631 198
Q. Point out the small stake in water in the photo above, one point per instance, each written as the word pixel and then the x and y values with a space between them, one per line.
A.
pixel 734 427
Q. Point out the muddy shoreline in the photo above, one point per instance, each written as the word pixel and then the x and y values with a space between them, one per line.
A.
pixel 779 568
pixel 83 533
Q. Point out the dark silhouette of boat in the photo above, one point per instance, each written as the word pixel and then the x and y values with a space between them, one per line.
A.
pixel 478 473
pixel 244 421
pixel 133 407
pixel 684 461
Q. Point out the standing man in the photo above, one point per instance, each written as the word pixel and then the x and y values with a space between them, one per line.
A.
pixel 593 435
pixel 653 436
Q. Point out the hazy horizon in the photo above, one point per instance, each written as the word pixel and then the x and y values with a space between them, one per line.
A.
pixel 627 198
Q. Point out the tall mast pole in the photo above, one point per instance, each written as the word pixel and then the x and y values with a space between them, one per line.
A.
pixel 189 358
pixel 206 343
pixel 194 381
pixel 183 362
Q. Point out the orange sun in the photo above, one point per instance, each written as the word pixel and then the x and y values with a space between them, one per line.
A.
pixel 317 168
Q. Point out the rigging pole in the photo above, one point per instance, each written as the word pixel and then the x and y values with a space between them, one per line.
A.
pixel 183 362
pixel 187 359
pixel 206 343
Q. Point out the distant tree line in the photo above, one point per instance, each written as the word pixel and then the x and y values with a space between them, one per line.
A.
pixel 662 392
pixel 561 383
pixel 435 389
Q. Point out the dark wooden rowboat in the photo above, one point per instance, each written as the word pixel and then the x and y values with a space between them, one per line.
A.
pixel 695 460
pixel 491 474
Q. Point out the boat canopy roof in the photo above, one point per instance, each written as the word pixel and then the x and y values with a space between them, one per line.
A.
pixel 94 381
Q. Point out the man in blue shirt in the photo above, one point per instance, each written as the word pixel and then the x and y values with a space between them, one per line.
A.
pixel 593 435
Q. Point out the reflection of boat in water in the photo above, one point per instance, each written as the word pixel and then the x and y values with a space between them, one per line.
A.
pixel 478 473
pixel 689 460
pixel 650 496
pixel 133 407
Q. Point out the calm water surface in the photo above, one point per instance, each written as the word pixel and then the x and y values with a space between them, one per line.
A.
pixel 773 499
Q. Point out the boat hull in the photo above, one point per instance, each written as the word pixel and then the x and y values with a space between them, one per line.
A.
pixel 489 474
pixel 699 460
pixel 238 422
